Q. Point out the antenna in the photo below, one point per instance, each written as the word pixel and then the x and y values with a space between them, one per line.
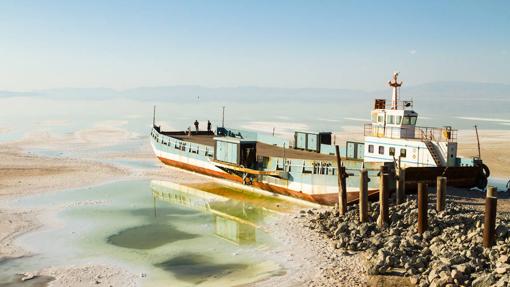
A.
pixel 154 117
pixel 223 117
pixel 478 142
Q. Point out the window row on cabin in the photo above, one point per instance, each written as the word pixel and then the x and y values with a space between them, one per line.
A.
pixel 182 146
pixel 394 120
pixel 392 151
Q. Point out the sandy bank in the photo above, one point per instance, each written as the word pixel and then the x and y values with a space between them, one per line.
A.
pixel 494 149
pixel 22 174
pixel 310 260
pixel 89 275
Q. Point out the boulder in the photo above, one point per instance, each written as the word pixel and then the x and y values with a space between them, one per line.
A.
pixel 485 280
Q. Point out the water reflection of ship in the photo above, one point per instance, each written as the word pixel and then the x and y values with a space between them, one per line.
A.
pixel 234 221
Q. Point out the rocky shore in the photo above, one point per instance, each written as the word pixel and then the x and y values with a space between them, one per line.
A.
pixel 449 253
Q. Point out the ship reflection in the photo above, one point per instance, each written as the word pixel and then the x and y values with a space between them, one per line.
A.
pixel 234 221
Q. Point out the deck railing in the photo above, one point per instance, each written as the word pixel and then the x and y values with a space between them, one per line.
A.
pixel 445 134
pixel 182 145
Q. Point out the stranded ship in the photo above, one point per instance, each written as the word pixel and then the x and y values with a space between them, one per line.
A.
pixel 306 167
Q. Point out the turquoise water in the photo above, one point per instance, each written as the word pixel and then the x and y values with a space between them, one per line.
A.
pixel 173 235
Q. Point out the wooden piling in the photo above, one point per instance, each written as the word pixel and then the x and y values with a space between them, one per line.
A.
pixel 422 207
pixel 363 196
pixel 401 186
pixel 383 169
pixel 383 199
pixel 491 191
pixel 441 193
pixel 342 186
pixel 489 226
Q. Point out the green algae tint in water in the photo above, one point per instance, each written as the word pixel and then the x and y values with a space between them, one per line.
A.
pixel 175 235
pixel 148 236
pixel 196 268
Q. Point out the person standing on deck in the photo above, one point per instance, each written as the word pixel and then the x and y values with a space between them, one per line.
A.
pixel 196 125
pixel 208 126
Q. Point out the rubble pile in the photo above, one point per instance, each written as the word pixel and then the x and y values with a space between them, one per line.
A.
pixel 449 253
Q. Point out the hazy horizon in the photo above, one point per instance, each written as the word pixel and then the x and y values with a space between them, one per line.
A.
pixel 383 86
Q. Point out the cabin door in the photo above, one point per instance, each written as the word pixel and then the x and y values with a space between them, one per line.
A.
pixel 248 156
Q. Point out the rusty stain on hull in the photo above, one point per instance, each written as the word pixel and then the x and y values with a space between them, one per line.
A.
pixel 324 199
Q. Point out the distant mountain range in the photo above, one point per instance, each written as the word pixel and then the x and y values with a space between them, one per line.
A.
pixel 423 93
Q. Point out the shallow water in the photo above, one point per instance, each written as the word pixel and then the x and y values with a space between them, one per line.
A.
pixel 174 235
pixel 499 183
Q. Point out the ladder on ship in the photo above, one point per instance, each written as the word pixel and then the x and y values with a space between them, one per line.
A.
pixel 433 152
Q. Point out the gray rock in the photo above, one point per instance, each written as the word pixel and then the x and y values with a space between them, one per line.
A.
pixel 432 275
pixel 485 280
pixel 457 259
pixel 413 280
pixel 503 281
pixel 464 268
pixel 504 259
pixel 28 276
pixel 456 275
pixel 502 231
pixel 502 269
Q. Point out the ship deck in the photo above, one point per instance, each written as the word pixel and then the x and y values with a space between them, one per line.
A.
pixel 198 139
pixel 263 149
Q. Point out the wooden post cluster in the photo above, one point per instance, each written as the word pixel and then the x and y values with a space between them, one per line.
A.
pixel 363 196
pixel 422 207
pixel 441 193
pixel 383 198
pixel 342 186
pixel 489 225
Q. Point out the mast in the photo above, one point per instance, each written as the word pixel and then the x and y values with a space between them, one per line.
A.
pixel 395 85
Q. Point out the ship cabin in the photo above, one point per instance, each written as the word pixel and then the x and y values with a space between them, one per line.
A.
pixel 236 151
pixel 399 123
pixel 393 136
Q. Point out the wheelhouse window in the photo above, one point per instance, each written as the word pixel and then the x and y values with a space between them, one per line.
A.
pixel 409 120
pixel 403 152
pixel 380 118
pixel 371 148
pixel 398 120
pixel 381 149
pixel 390 119
pixel 392 151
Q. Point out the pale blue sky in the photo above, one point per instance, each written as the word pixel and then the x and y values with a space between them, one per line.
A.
pixel 330 44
